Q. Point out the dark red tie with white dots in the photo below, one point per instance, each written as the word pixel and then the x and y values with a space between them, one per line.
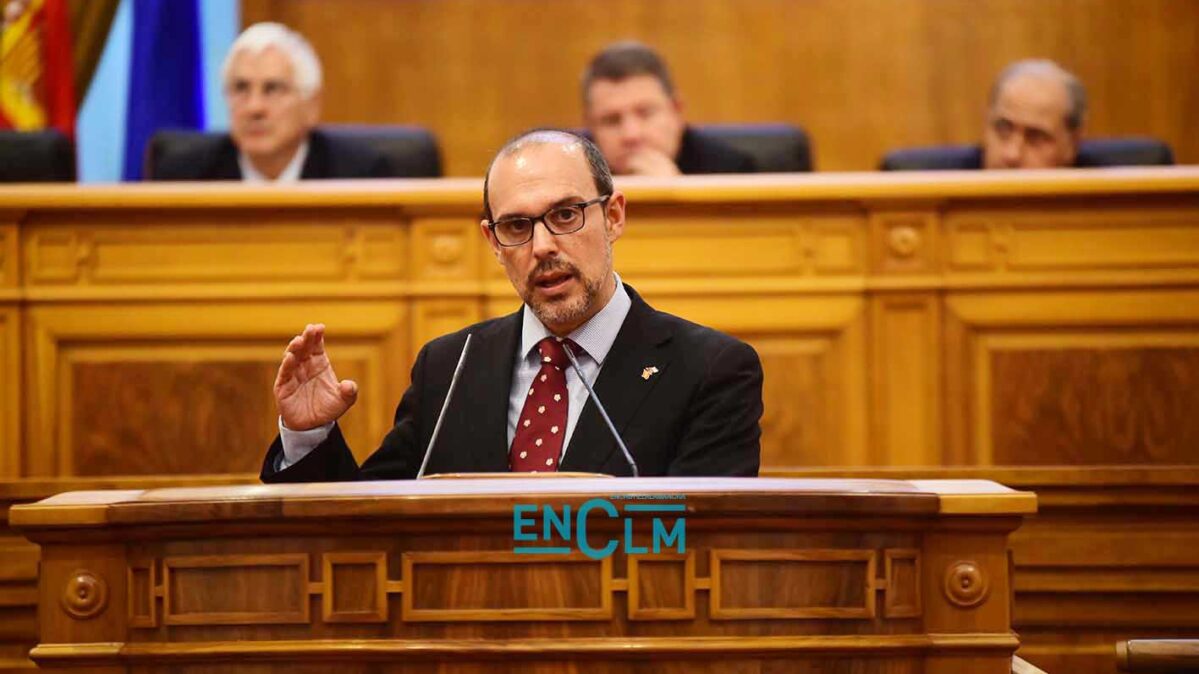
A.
pixel 537 444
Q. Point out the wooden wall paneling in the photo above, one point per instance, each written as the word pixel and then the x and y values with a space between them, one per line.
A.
pixel 213 252
pixel 448 256
pixel 905 351
pixel 862 76
pixel 11 394
pixel 10 349
pixel 106 375
pixel 1109 241
pixel 1075 377
pixel 9 251
pixel 905 336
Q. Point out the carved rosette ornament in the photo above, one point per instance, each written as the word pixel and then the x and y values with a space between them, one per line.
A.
pixel 966 584
pixel 446 250
pixel 903 241
pixel 85 595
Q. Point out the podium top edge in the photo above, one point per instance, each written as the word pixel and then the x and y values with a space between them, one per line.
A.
pixel 469 497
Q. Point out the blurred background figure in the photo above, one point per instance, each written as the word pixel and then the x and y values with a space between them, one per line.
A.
pixel 272 86
pixel 1035 118
pixel 636 118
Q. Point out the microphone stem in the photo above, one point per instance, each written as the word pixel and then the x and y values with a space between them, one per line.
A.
pixel 603 413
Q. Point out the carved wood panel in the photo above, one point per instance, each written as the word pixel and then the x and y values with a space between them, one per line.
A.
pixel 176 389
pixel 905 366
pixel 584 584
pixel 235 246
pixel 11 397
pixel 479 587
pixel 726 245
pixel 1072 377
pixel 792 584
pixel 191 595
pixel 1127 404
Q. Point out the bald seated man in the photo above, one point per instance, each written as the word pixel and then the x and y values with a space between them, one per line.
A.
pixel 686 399
pixel 1035 117
pixel 272 84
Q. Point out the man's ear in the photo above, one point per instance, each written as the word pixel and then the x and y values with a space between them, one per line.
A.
pixel 485 230
pixel 615 212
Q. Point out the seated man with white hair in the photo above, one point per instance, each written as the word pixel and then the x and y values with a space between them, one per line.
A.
pixel 272 84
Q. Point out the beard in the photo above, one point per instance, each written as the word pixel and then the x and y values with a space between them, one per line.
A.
pixel 573 309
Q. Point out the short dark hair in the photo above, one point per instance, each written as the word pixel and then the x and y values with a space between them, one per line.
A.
pixel 1077 113
pixel 601 174
pixel 625 59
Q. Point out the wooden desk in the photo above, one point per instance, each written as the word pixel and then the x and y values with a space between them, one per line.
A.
pixel 902 319
pixel 875 576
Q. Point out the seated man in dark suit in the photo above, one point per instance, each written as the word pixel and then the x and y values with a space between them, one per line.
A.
pixel 1035 117
pixel 685 398
pixel 272 81
pixel 636 118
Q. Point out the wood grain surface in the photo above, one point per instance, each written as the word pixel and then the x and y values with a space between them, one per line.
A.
pixel 862 76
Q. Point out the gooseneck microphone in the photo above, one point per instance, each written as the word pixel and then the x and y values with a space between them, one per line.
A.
pixel 445 405
pixel 603 413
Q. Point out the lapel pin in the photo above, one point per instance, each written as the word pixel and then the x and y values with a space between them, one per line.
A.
pixel 649 372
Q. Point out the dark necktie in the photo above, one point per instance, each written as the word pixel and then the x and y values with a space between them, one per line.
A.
pixel 537 445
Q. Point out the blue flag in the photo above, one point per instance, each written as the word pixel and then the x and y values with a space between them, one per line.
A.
pixel 166 87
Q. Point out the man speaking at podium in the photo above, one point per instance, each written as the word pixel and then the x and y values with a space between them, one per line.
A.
pixel 685 399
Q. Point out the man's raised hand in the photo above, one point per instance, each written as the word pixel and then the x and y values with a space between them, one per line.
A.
pixel 307 392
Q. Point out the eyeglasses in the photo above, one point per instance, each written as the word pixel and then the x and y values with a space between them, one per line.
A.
pixel 558 220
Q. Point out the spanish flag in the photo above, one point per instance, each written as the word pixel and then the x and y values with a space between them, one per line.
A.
pixel 37 78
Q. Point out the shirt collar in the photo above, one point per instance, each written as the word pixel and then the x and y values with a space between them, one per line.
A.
pixel 290 174
pixel 596 336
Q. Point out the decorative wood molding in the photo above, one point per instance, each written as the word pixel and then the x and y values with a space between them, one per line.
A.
pixel 85 595
pixel 901 584
pixel 720 598
pixel 638 605
pixel 335 611
pixel 287 574
pixel 8 255
pixel 905 242
pixel 143 591
pixel 966 584
pixel 1061 239
pixel 12 397
pixel 651 648
pixel 494 562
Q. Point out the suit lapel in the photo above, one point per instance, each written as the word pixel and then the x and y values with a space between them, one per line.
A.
pixel 490 361
pixel 642 342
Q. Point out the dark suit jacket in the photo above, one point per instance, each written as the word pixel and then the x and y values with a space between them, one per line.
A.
pixel 698 415
pixel 327 158
pixel 703 154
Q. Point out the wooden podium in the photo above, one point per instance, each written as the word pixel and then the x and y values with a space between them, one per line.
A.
pixel 773 575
